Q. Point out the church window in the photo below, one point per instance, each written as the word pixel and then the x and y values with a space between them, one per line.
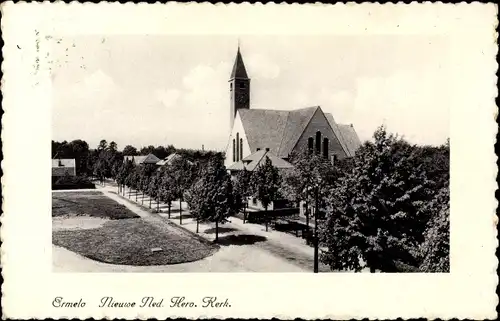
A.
pixel 241 148
pixel 310 143
pixel 237 147
pixel 234 151
pixel 231 86
pixel 318 142
pixel 242 85
pixel 325 148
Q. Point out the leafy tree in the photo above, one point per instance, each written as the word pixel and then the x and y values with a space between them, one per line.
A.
pixel 147 150
pixel 311 172
pixel 183 174
pixel 375 218
pixel 243 189
pixel 130 150
pixel 265 183
pixel 153 189
pixel 211 198
pixel 126 169
pixel 435 250
pixel 167 191
pixel 103 144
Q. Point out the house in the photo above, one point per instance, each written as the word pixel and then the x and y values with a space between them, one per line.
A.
pixel 138 160
pixel 62 167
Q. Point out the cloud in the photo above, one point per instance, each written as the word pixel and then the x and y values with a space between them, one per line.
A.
pixel 168 98
pixel 261 67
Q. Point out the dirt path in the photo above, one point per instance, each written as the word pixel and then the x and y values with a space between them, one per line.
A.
pixel 275 243
pixel 229 258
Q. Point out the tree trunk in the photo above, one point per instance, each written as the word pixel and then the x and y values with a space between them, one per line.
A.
pixel 158 204
pixel 129 191
pixel 244 212
pixel 265 217
pixel 216 230
pixel 150 201
pixel 142 200
pixel 197 225
pixel 180 211
pixel 136 194
pixel 372 269
pixel 169 205
pixel 307 217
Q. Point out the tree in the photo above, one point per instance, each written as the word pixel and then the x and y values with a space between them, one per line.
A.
pixel 311 173
pixel 103 144
pixel 125 169
pixel 266 182
pixel 183 174
pixel 375 218
pixel 153 189
pixel 435 250
pixel 211 198
pixel 243 189
pixel 130 150
pixel 167 188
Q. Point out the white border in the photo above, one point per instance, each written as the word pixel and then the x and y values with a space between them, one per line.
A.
pixel 467 292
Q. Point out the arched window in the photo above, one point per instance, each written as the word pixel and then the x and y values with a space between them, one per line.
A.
pixel 241 148
pixel 318 142
pixel 325 148
pixel 234 151
pixel 237 147
pixel 310 143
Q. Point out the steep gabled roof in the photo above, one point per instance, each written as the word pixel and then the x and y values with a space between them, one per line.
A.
pixel 239 70
pixel 297 122
pixel 264 128
pixel 148 159
pixel 351 138
pixel 338 133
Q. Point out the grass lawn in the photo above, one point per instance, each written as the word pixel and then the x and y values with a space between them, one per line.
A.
pixel 93 204
pixel 130 242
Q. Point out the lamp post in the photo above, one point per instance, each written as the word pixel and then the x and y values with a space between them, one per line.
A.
pixel 316 241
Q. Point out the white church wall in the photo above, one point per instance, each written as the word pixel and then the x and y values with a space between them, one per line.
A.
pixel 237 128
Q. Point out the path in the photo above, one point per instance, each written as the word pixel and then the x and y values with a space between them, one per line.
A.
pixel 248 235
pixel 229 258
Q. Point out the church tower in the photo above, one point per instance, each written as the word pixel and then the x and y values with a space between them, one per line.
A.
pixel 239 87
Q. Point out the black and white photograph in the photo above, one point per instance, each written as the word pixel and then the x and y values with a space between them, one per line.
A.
pixel 282 161
pixel 250 154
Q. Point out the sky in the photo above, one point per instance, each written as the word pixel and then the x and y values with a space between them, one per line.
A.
pixel 167 89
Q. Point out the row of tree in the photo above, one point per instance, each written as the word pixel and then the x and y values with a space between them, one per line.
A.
pixel 105 160
pixel 386 208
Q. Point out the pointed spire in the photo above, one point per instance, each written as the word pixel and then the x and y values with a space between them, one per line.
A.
pixel 239 70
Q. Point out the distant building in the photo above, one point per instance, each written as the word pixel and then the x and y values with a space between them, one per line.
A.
pixel 170 159
pixel 138 160
pixel 281 132
pixel 63 166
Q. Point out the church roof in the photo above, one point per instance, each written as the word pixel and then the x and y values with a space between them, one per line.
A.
pixel 350 138
pixel 280 130
pixel 239 70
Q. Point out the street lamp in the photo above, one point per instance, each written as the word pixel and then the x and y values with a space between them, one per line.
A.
pixel 316 239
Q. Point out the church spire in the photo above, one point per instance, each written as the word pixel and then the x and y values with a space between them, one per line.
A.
pixel 239 70
pixel 239 87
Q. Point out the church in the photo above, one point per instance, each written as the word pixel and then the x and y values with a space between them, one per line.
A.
pixel 256 133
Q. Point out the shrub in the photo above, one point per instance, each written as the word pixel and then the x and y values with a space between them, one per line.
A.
pixel 72 182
